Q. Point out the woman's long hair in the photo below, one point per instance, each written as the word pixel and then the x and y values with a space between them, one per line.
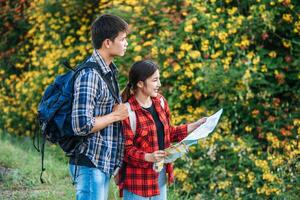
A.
pixel 139 71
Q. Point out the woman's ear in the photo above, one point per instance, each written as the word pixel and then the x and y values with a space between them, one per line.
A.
pixel 140 84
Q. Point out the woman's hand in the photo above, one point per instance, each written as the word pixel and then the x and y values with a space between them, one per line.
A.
pixel 196 124
pixel 156 156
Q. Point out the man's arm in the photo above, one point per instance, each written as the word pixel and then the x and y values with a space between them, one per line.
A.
pixel 85 91
pixel 119 113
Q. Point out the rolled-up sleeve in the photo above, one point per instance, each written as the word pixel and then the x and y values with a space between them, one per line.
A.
pixel 85 91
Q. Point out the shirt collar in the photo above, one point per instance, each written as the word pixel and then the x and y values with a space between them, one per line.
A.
pixel 104 67
pixel 136 106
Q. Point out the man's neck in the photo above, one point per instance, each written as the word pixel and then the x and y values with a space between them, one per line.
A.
pixel 105 56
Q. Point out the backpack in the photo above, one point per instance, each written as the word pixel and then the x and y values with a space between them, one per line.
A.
pixel 54 113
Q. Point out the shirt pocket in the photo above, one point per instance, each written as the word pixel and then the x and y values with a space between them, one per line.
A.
pixel 143 139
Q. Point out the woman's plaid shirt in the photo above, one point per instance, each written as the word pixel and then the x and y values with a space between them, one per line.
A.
pixel 140 178
pixel 92 98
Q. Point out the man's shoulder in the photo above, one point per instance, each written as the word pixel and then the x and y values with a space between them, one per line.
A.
pixel 89 70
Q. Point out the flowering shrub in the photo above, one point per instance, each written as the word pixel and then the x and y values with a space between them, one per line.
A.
pixel 239 55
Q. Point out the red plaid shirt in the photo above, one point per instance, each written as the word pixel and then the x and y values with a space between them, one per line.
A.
pixel 140 178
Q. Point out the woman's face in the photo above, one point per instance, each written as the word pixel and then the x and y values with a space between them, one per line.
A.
pixel 151 85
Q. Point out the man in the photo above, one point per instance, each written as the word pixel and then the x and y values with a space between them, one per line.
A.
pixel 97 114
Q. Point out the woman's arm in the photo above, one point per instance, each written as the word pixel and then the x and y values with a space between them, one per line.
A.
pixel 133 155
pixel 178 133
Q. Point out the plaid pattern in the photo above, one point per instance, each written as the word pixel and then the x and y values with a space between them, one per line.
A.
pixel 140 177
pixel 92 98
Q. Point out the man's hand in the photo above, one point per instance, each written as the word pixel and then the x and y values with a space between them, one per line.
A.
pixel 120 111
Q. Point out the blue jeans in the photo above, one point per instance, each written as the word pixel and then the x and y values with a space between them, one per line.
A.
pixel 91 183
pixel 162 183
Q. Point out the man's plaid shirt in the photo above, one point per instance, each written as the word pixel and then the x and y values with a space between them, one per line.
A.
pixel 140 178
pixel 92 98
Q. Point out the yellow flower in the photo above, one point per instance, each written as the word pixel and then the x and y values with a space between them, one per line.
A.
pixel 286 43
pixel 169 50
pixel 180 175
pixel 137 58
pixel 296 122
pixel 232 11
pixel 272 54
pixel 241 176
pixel 248 129
pixel 204 45
pixel 148 43
pixel 262 164
pixel 186 47
pixel 223 36
pixel 264 68
pixel 212 33
pixel 137 48
pixel 189 73
pixel 188 28
pixel 194 54
pixel 216 55
pixel 176 67
pixel 212 186
pixel 180 54
pixel 268 177
pixel 183 88
pixel 256 60
pixel 166 74
pixel 245 41
pixel 287 17
pixel 277 161
pixel 215 25
pixel 250 55
pixel 223 184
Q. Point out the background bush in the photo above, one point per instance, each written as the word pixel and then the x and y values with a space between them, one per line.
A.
pixel 239 55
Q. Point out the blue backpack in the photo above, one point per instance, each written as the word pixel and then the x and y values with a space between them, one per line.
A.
pixel 54 113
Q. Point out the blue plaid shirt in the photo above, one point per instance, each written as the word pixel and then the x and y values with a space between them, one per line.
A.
pixel 92 98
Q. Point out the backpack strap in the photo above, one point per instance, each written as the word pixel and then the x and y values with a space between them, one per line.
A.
pixel 132 115
pixel 162 103
pixel 95 66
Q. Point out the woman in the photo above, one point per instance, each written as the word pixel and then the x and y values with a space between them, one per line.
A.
pixel 153 134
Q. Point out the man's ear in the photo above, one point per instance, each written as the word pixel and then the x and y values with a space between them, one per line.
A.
pixel 106 43
pixel 140 84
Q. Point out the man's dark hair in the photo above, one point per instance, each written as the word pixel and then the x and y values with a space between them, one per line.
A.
pixel 107 27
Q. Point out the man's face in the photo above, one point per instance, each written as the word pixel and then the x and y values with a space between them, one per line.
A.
pixel 119 45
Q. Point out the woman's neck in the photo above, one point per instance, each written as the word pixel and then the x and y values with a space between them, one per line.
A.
pixel 144 100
